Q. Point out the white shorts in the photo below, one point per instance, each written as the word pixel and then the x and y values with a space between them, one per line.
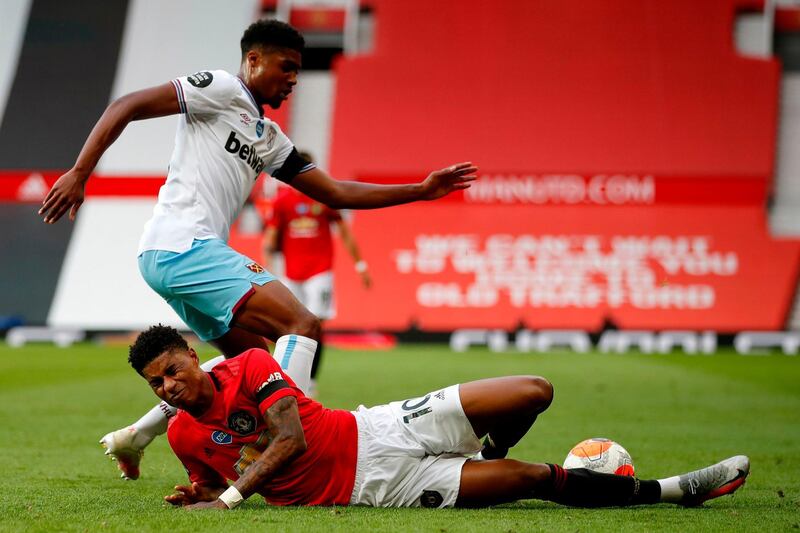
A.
pixel 316 293
pixel 410 453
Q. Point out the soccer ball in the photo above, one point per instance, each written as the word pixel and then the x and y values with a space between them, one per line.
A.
pixel 600 455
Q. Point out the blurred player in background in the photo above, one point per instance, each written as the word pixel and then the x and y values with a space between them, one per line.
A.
pixel 248 422
pixel 300 228
pixel 223 143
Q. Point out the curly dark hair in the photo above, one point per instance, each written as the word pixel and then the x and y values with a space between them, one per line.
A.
pixel 152 343
pixel 271 33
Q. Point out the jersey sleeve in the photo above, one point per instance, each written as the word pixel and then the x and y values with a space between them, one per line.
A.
pixel 180 440
pixel 265 381
pixel 288 163
pixel 205 93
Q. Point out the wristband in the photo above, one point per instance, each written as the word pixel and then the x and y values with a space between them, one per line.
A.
pixel 361 266
pixel 231 497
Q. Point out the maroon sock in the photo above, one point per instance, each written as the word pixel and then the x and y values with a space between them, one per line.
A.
pixel 580 487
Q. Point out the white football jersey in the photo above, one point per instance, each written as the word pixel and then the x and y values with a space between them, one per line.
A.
pixel 222 145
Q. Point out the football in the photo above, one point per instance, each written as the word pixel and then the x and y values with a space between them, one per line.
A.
pixel 600 455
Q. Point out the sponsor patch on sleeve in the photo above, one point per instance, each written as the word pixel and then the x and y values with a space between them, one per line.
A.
pixel 201 79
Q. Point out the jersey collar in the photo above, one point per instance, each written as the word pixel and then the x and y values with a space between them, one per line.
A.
pixel 259 110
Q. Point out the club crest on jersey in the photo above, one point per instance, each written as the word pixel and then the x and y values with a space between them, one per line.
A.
pixel 245 118
pixel 242 422
pixel 271 134
pixel 200 79
pixel 431 499
pixel 220 437
pixel 259 128
pixel 255 267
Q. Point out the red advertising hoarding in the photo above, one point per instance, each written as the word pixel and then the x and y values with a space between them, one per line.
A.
pixel 503 266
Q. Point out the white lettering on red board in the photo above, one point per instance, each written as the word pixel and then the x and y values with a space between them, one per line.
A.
pixel 563 189
pixel 567 271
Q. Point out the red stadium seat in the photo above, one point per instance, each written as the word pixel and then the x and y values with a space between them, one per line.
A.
pixel 532 86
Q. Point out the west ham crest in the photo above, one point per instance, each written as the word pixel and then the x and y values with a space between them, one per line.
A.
pixel 255 267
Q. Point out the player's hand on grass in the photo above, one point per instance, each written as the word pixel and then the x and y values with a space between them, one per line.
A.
pixel 444 181
pixel 65 195
pixel 187 495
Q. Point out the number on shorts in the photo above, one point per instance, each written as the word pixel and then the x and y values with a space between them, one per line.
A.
pixel 407 406
pixel 410 407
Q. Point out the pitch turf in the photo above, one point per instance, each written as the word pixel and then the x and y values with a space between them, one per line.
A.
pixel 674 413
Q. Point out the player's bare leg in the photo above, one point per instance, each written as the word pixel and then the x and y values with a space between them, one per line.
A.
pixel 274 312
pixel 239 340
pixel 485 483
pixel 504 409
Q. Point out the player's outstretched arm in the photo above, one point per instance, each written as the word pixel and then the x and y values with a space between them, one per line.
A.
pixel 287 442
pixel 355 195
pixel 67 192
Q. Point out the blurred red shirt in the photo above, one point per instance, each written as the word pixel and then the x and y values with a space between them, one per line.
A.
pixel 304 233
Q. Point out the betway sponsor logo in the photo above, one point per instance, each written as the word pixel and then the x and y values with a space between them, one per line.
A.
pixel 245 152
pixel 563 189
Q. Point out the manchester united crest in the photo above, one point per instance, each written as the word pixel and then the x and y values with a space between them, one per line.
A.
pixel 242 422
pixel 255 267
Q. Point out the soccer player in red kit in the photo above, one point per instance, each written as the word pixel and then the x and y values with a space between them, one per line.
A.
pixel 247 422
pixel 300 227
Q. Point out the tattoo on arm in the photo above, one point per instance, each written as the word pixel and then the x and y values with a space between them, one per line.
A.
pixel 287 442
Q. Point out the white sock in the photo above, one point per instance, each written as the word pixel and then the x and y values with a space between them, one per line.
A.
pixel 312 388
pixel 295 354
pixel 154 422
pixel 211 363
pixel 670 489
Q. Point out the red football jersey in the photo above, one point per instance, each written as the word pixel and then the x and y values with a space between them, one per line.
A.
pixel 304 233
pixel 225 440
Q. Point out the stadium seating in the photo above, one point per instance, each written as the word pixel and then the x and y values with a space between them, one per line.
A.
pixel 532 86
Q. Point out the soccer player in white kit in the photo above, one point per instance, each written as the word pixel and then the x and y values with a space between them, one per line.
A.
pixel 223 143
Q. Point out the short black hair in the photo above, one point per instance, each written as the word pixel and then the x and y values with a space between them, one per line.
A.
pixel 152 343
pixel 271 33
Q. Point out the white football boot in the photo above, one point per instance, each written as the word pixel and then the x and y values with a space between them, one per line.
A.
pixel 126 447
pixel 714 481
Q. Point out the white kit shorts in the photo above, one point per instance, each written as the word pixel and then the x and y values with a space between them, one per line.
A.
pixel 410 453
pixel 316 293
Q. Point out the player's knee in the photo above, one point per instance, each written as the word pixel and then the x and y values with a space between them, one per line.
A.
pixel 531 474
pixel 538 392
pixel 308 325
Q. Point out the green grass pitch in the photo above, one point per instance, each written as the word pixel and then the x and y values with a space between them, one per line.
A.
pixel 673 412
